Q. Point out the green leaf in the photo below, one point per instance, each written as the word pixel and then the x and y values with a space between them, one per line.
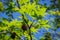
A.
pixel 1 6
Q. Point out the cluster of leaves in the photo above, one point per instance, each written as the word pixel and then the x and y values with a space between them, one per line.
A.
pixel 55 4
pixel 23 27
pixel 54 9
pixel 46 37
pixel 1 6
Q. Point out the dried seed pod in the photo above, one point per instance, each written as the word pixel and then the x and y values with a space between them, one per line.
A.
pixel 13 34
pixel 24 27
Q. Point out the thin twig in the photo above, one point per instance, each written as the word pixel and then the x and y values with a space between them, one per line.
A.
pixel 31 25
pixel 18 3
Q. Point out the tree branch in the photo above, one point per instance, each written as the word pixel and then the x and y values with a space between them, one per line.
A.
pixel 28 26
pixel 25 21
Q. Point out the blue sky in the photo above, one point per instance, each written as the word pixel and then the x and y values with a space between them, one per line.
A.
pixel 45 1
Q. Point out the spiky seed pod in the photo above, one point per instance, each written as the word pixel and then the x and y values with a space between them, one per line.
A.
pixel 24 27
pixel 13 34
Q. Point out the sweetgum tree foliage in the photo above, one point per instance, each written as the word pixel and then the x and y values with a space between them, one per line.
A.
pixel 13 29
pixel 54 9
